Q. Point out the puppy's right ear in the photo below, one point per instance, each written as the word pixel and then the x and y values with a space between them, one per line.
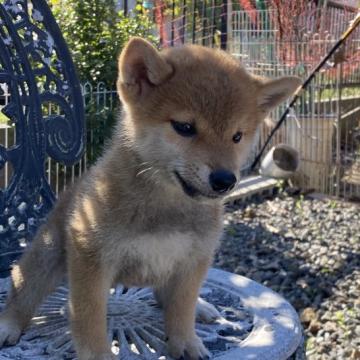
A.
pixel 140 67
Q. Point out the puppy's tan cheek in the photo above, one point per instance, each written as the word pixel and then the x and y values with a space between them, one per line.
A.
pixel 171 137
pixel 245 150
pixel 180 144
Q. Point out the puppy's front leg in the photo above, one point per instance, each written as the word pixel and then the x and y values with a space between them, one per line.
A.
pixel 178 298
pixel 89 289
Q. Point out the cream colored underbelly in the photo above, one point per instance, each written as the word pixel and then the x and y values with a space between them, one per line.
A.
pixel 150 260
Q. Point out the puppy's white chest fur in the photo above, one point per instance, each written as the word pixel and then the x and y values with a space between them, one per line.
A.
pixel 153 258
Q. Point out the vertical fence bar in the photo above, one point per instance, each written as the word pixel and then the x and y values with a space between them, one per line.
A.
pixel 6 174
pixel 203 20
pixel 213 22
pixel 193 30
pixel 173 23
pixel 73 174
pixel 65 178
pixel 224 24
pixel 183 30
pixel 57 179
pixel 338 130
pixel 229 12
pixel 49 159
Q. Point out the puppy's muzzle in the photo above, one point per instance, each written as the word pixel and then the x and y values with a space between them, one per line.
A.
pixel 222 181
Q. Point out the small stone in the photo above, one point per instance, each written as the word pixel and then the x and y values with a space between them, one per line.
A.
pixel 272 229
pixel 307 251
pixel 304 234
pixel 330 326
pixel 314 326
pixel 355 354
pixel 249 213
pixel 307 315
pixel 292 191
pixel 357 330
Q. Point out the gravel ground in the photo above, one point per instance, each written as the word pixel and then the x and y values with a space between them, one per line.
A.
pixel 309 251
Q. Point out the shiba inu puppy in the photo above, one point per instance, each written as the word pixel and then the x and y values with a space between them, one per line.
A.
pixel 149 213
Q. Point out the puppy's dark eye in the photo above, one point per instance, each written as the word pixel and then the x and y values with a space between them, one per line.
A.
pixel 237 137
pixel 183 129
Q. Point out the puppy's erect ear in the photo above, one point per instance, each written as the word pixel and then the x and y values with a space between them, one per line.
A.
pixel 141 65
pixel 273 92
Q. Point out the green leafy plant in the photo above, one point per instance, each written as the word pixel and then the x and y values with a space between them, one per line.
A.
pixel 299 203
pixel 96 32
pixel 280 184
pixel 340 317
pixel 100 123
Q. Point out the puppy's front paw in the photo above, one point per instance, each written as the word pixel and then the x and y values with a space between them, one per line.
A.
pixel 188 349
pixel 10 331
pixel 206 312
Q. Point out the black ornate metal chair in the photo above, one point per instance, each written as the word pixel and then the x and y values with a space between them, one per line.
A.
pixel 36 68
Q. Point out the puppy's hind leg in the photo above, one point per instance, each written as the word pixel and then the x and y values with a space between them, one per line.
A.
pixel 38 272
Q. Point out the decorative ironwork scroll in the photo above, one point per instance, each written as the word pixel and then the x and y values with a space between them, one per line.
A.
pixel 37 69
pixel 253 323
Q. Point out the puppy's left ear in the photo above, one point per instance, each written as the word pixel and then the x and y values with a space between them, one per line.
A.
pixel 141 66
pixel 274 92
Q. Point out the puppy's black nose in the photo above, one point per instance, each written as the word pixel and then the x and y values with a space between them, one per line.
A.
pixel 222 180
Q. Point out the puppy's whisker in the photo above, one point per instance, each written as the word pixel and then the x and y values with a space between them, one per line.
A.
pixel 153 175
pixel 143 171
pixel 144 163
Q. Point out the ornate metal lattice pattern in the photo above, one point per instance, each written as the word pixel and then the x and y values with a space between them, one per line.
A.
pixel 36 67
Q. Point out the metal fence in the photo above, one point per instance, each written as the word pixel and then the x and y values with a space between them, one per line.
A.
pixel 325 126
pixel 101 106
